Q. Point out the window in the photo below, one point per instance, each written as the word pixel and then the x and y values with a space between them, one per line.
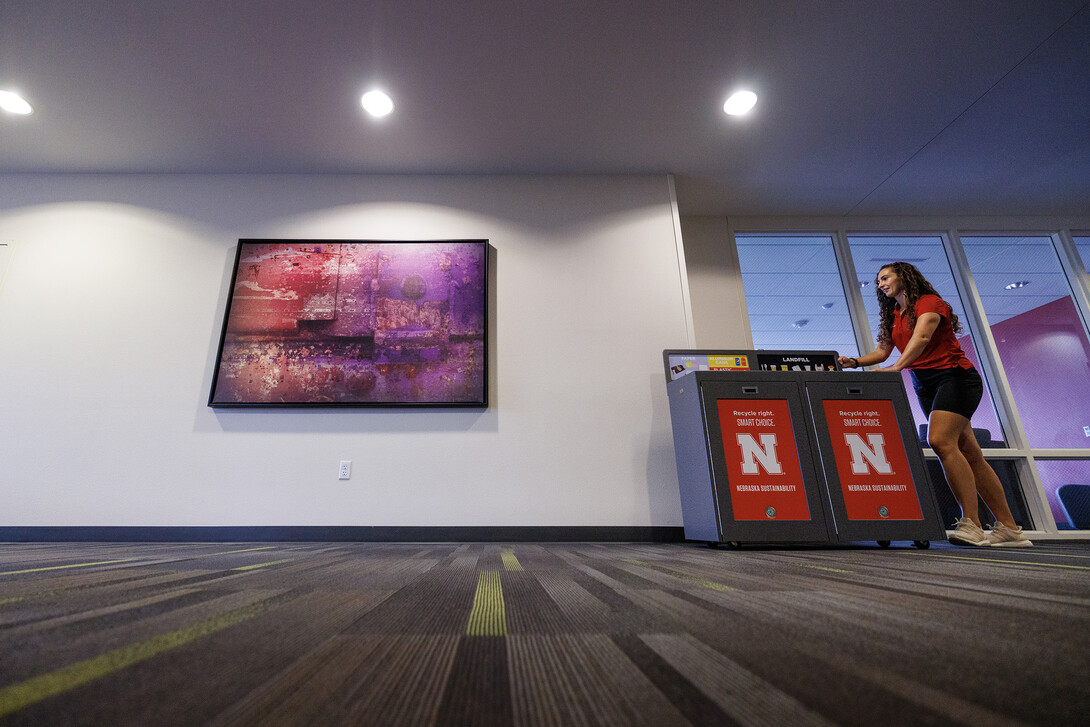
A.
pixel 1067 484
pixel 1038 334
pixel 869 254
pixel 1005 469
pixel 794 293
pixel 1036 315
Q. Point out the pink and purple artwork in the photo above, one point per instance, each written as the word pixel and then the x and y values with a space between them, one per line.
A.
pixel 355 323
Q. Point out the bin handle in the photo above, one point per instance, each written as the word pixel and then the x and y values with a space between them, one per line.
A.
pixel 855 389
pixel 749 389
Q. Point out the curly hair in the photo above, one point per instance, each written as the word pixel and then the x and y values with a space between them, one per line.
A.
pixel 916 285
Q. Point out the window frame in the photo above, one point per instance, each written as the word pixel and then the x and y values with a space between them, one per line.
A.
pixel 951 233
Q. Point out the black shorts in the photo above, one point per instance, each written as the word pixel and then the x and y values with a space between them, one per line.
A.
pixel 956 390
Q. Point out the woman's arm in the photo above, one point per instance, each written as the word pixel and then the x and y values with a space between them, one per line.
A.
pixel 877 356
pixel 921 336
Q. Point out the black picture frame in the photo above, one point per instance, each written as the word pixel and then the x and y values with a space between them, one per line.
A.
pixel 329 323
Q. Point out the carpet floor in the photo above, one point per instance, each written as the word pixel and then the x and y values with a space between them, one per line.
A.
pixel 541 634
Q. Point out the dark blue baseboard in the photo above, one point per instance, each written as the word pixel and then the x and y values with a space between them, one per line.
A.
pixel 345 533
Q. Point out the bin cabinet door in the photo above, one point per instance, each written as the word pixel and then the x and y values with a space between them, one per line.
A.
pixel 766 485
pixel 872 463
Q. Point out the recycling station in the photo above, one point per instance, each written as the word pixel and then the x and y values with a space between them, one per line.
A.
pixel 784 447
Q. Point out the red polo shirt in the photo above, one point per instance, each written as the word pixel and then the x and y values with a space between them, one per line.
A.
pixel 943 351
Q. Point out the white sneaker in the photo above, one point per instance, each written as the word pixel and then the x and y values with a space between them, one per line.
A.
pixel 966 532
pixel 1003 537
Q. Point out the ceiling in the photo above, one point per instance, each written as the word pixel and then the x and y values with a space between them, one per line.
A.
pixel 869 107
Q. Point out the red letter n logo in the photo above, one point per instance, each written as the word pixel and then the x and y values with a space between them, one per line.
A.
pixel 765 453
pixel 863 454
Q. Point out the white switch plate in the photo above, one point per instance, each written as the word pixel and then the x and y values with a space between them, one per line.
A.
pixel 345 472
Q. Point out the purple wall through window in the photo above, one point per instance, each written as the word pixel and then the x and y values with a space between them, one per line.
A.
pixel 1047 359
pixel 1046 356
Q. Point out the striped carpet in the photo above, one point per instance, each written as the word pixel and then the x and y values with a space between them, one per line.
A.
pixel 541 634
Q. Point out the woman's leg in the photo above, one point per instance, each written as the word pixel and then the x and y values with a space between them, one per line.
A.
pixel 944 431
pixel 987 481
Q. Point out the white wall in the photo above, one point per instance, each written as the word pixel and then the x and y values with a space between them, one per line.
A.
pixel 715 284
pixel 110 314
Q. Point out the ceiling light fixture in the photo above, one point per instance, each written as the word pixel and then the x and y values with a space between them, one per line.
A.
pixel 739 103
pixel 827 306
pixel 800 323
pixel 1016 285
pixel 377 103
pixel 13 103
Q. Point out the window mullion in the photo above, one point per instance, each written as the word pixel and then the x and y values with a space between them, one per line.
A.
pixel 849 276
pixel 996 378
pixel 736 267
pixel 1078 277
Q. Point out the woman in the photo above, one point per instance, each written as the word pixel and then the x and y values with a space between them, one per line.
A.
pixel 921 325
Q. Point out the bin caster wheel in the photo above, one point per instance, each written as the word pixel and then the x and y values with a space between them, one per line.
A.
pixel 883 543
pixel 922 544
pixel 734 545
pixel 713 544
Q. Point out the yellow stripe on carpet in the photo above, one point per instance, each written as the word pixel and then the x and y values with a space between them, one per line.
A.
pixel 264 565
pixel 62 567
pixel 510 562
pixel 702 582
pixel 18 696
pixel 244 550
pixel 988 559
pixel 487 617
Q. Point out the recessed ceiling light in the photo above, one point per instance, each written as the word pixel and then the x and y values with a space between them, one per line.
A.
pixel 827 306
pixel 800 323
pixel 740 102
pixel 1016 284
pixel 864 283
pixel 13 103
pixel 377 103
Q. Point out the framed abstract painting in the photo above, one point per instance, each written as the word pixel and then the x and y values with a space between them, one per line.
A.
pixel 355 323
